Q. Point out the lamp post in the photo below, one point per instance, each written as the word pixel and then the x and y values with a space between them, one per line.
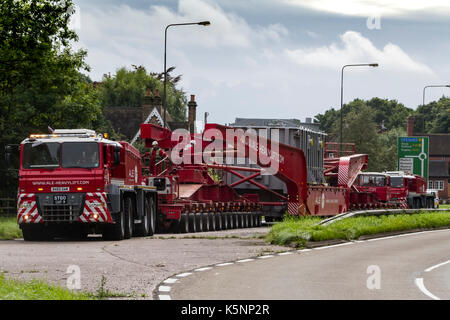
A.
pixel 433 86
pixel 201 23
pixel 342 91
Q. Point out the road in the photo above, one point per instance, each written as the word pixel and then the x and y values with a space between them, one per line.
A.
pixel 132 268
pixel 412 266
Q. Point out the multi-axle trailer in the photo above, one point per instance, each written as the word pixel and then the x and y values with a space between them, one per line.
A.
pixel 75 182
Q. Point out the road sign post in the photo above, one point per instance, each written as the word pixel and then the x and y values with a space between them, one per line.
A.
pixel 413 155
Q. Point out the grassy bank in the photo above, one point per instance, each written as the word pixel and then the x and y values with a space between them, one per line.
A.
pixel 36 290
pixel 298 231
pixel 9 229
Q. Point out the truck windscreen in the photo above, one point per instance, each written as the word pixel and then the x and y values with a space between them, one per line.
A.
pixel 397 182
pixel 41 155
pixel 80 155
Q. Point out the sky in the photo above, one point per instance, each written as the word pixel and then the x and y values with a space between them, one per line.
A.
pixel 275 58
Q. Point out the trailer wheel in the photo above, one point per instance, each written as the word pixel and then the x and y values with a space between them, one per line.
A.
pixel 206 224
pixel 244 220
pixel 229 218
pixel 117 230
pixel 251 220
pixel 199 222
pixel 224 218
pixel 128 208
pixel 212 221
pixel 218 218
pixel 258 220
pixel 192 224
pixel 184 223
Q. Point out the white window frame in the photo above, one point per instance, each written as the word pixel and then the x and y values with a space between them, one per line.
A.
pixel 430 184
pixel 439 185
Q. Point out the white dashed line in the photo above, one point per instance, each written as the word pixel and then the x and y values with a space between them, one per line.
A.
pixel 182 275
pixel 224 264
pixel 266 256
pixel 203 269
pixel 164 288
pixel 285 253
pixel 245 260
pixel 334 245
pixel 164 297
pixel 170 280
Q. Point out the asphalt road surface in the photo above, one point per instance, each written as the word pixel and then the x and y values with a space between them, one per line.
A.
pixel 132 268
pixel 411 266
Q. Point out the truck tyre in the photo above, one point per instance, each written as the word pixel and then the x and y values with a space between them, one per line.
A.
pixel 206 224
pixel 212 221
pixel 143 228
pixel 251 220
pixel 117 230
pixel 199 222
pixel 224 218
pixel 218 219
pixel 230 220
pixel 128 208
pixel 184 223
pixel 192 224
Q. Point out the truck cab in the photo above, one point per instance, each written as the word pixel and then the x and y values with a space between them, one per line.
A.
pixel 374 182
pixel 73 181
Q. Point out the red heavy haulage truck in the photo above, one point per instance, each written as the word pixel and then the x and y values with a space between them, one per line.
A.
pixel 75 182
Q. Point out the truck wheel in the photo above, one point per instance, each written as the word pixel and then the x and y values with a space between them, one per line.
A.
pixel 128 209
pixel 206 224
pixel 192 224
pixel 212 221
pixel 223 217
pixel 184 223
pixel 199 222
pixel 117 230
pixel 251 220
pixel 143 228
pixel 218 218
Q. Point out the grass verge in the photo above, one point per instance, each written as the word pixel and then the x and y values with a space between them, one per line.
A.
pixel 297 232
pixel 37 290
pixel 9 229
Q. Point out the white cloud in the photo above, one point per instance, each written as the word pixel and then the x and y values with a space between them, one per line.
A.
pixel 355 48
pixel 367 8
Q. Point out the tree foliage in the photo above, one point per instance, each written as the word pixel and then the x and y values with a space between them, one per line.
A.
pixel 41 83
pixel 128 87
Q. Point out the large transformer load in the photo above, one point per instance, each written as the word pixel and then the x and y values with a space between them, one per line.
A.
pixel 292 132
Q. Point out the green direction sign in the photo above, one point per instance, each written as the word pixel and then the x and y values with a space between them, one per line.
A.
pixel 413 155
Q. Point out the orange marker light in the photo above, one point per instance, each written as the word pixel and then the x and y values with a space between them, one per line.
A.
pixel 79 189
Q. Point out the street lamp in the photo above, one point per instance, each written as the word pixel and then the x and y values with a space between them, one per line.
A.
pixel 433 86
pixel 342 90
pixel 201 23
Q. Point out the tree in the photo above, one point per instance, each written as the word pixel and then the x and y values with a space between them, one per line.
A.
pixel 41 83
pixel 128 87
pixel 433 117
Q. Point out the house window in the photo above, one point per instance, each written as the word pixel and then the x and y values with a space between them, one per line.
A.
pixel 439 185
pixel 430 184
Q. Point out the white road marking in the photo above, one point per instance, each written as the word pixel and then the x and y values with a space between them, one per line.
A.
pixel 203 269
pixel 419 283
pixel 334 245
pixel 245 260
pixel 437 266
pixel 164 288
pixel 266 256
pixel 164 297
pixel 182 275
pixel 285 253
pixel 170 280
pixel 224 264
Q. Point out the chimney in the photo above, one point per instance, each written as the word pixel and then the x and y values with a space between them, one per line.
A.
pixel 192 105
pixel 147 104
pixel 410 126
pixel 157 102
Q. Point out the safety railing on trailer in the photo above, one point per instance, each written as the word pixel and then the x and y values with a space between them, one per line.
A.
pixel 8 207
pixel 337 150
